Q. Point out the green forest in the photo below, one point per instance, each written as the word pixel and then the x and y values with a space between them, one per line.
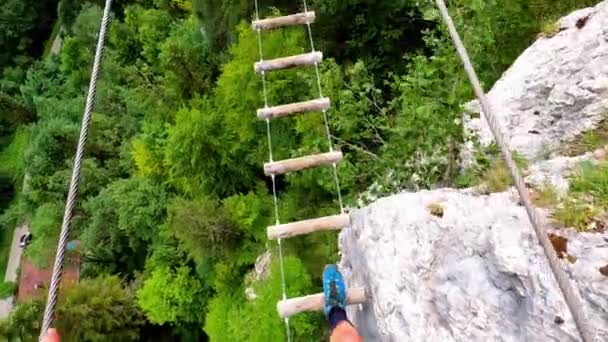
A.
pixel 173 204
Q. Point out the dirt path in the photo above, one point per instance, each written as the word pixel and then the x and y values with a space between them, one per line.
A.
pixel 57 44
pixel 15 257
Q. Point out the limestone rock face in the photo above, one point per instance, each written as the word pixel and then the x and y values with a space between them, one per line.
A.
pixel 475 274
pixel 556 89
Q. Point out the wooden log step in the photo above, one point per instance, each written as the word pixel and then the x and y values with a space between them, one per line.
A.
pixel 290 20
pixel 281 231
pixel 293 306
pixel 293 108
pixel 289 62
pixel 302 163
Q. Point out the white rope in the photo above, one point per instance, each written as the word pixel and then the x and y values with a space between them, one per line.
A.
pixel 325 119
pixel 49 311
pixel 274 185
pixel 570 293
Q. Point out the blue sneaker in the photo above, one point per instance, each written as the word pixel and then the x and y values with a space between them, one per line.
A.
pixel 333 289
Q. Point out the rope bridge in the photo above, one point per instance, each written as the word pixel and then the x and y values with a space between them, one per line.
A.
pixel 288 307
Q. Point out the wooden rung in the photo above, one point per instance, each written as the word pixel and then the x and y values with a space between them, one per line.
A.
pixel 292 108
pixel 292 306
pixel 294 19
pixel 302 163
pixel 289 62
pixel 288 230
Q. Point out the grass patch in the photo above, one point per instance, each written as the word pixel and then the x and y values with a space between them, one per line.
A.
pixel 574 212
pixel 587 199
pixel 497 177
pixel 588 141
pixel 7 289
pixel 489 170
pixel 592 180
pixel 6 237
pixel 546 197
pixel 549 29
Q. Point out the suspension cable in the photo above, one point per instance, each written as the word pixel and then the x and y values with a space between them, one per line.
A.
pixel 75 182
pixel 274 185
pixel 570 294
pixel 325 118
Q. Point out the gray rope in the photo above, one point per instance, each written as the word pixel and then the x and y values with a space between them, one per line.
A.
pixel 325 116
pixel 274 184
pixel 67 217
pixel 570 293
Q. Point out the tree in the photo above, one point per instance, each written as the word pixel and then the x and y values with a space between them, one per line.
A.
pixel 172 296
pixel 197 70
pixel 99 309
pixel 67 12
pixel 194 154
pixel 12 114
pixel 123 224
pixel 23 28
pixel 150 27
pixel 23 323
pixel 203 227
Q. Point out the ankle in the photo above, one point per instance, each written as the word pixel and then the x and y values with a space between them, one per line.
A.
pixel 336 316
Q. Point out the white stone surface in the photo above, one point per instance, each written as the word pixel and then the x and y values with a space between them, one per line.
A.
pixel 555 172
pixel 555 90
pixel 477 274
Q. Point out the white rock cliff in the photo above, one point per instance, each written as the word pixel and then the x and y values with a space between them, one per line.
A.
pixel 556 89
pixel 477 273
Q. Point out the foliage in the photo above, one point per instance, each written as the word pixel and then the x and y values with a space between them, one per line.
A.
pixel 588 141
pixel 7 289
pixel 12 161
pixel 23 323
pixel 45 227
pixel 587 197
pixel 549 29
pixel 23 24
pixel 592 180
pixel 575 212
pixel 12 114
pixel 545 197
pixel 187 48
pixel 172 296
pixel 497 177
pixel 67 12
pixel 123 224
pixel 231 316
pixel 379 33
pixel 117 317
pixel 203 227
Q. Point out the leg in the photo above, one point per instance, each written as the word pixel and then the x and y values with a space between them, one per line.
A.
pixel 335 303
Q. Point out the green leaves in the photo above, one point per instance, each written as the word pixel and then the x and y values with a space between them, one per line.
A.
pixel 231 315
pixel 123 223
pixel 116 316
pixel 172 296
pixel 203 228
pixel 98 309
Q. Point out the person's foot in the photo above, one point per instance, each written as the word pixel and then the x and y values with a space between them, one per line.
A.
pixel 334 289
